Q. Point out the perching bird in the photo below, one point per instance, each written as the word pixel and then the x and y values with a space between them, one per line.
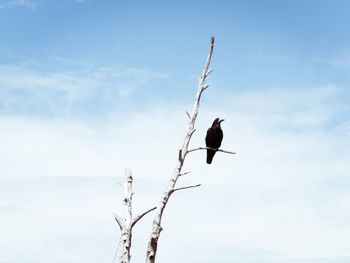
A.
pixel 213 139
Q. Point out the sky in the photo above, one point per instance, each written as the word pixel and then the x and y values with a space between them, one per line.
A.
pixel 89 88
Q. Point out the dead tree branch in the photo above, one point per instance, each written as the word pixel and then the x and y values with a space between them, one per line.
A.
pixel 136 219
pixel 186 187
pixel 127 223
pixel 209 148
pixel 126 230
pixel 209 71
pixel 119 221
pixel 156 225
pixel 182 174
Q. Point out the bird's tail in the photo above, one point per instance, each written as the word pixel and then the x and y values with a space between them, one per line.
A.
pixel 210 155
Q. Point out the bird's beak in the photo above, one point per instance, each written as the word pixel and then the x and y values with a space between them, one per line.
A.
pixel 221 120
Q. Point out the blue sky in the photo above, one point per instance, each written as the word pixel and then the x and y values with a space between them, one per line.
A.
pixel 89 88
pixel 260 44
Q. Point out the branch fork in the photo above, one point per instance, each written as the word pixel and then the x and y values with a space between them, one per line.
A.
pixel 127 223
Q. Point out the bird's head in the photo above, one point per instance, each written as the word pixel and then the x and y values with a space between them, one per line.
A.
pixel 217 121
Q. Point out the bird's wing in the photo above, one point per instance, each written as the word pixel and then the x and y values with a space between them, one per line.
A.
pixel 214 137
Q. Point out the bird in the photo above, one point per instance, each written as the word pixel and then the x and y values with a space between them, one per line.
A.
pixel 213 138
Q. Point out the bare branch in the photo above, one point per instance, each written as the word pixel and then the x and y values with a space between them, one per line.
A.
pixel 188 115
pixel 156 225
pixel 209 148
pixel 209 71
pixel 184 173
pixel 186 187
pixel 204 87
pixel 136 219
pixel 192 132
pixel 127 220
pixel 126 223
pixel 119 221
pixel 127 200
pixel 205 70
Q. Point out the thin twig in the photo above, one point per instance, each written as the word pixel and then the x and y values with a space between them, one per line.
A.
pixel 136 219
pixel 184 173
pixel 186 187
pixel 119 221
pixel 188 115
pixel 209 71
pixel 192 132
pixel 209 148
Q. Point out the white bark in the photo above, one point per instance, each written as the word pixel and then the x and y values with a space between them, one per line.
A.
pixel 127 223
pixel 126 229
pixel 156 225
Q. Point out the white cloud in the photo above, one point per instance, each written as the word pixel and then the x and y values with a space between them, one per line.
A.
pixel 26 90
pixel 282 198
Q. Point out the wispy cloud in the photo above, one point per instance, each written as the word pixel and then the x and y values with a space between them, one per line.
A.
pixel 18 3
pixel 339 61
pixel 29 91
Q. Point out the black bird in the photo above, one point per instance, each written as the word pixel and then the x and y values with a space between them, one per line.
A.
pixel 213 139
